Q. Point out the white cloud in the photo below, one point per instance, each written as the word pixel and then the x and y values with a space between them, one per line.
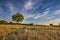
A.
pixel 25 21
pixel 39 16
pixel 28 16
pixel 57 12
pixel 36 8
pixel 28 5
pixel 49 17
pixel 12 8
pixel 55 22
pixel 36 16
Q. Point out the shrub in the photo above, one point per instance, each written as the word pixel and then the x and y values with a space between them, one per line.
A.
pixel 11 23
pixel 51 24
pixel 31 24
pixel 3 22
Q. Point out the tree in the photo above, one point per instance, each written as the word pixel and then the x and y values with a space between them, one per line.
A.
pixel 17 17
pixel 3 22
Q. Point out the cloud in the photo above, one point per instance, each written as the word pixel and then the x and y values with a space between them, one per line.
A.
pixel 28 5
pixel 34 9
pixel 43 14
pixel 1 11
pixel 39 16
pixel 25 21
pixel 55 21
pixel 6 15
pixel 28 15
pixel 36 15
pixel 13 8
pixel 49 17
pixel 57 12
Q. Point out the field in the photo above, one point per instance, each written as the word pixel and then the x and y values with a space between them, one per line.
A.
pixel 29 32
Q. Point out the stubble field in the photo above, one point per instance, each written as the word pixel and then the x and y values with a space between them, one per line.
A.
pixel 29 32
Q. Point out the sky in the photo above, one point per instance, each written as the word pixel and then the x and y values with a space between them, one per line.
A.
pixel 34 11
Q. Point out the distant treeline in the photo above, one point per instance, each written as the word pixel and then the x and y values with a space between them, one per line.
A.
pixel 13 23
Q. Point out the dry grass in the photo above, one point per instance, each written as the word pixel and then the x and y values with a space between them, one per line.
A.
pixel 27 32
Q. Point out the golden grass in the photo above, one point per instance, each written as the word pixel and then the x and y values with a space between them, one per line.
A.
pixel 27 32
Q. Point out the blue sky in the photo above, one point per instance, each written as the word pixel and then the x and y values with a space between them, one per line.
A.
pixel 34 11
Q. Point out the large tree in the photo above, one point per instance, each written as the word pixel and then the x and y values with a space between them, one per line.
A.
pixel 18 17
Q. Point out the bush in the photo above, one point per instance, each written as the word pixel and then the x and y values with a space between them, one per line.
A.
pixel 14 23
pixel 11 23
pixel 31 24
pixel 51 24
pixel 3 22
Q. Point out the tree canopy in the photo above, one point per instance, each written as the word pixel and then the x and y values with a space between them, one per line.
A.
pixel 18 17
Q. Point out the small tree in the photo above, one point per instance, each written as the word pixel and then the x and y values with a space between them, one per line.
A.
pixel 18 17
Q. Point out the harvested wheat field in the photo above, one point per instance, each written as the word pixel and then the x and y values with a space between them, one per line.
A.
pixel 29 32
